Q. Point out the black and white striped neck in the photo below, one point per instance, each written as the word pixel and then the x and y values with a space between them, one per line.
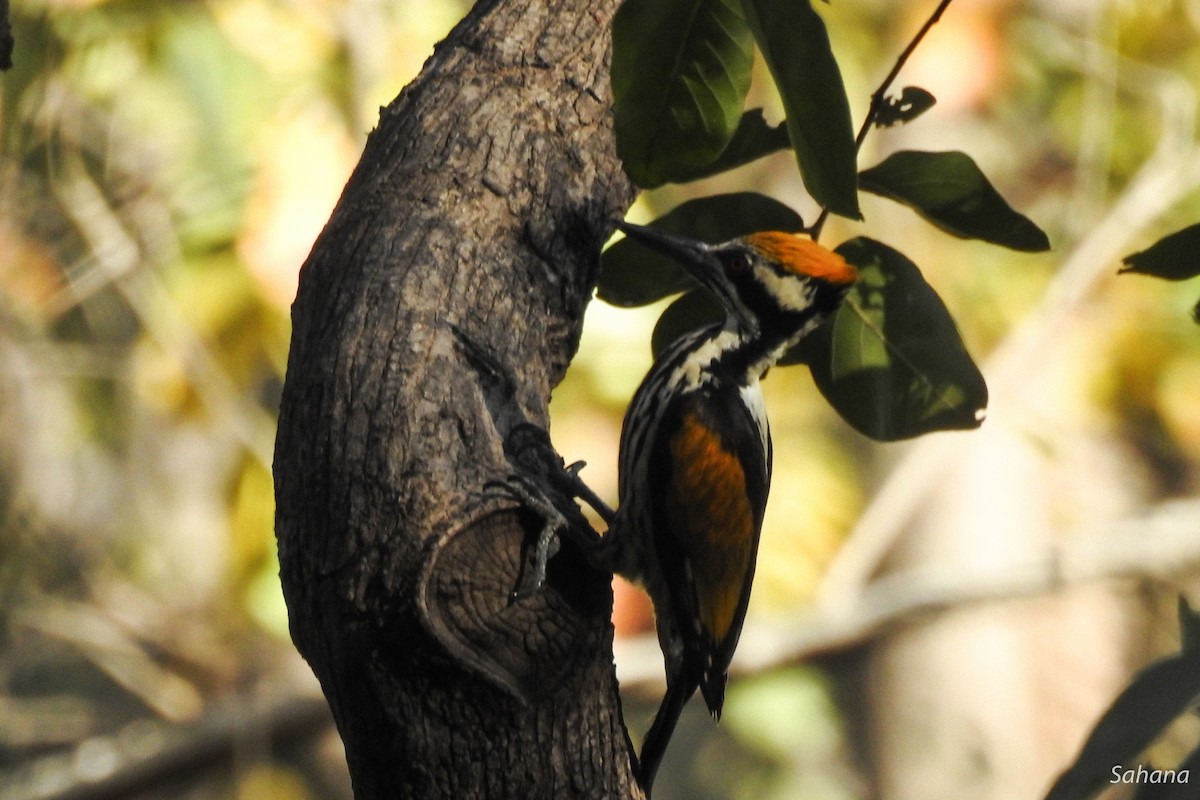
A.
pixel 735 355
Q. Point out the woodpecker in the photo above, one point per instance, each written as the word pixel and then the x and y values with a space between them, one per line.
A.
pixel 695 457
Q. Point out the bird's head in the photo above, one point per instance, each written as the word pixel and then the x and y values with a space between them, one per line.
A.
pixel 766 281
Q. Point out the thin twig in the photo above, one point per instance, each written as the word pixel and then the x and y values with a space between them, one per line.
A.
pixel 880 95
pixel 150 756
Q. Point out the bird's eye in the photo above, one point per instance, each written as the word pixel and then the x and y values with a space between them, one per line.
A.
pixel 739 263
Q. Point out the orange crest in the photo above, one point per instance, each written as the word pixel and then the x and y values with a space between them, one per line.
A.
pixel 802 256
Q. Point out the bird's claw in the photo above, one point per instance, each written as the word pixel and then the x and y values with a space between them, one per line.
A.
pixel 553 524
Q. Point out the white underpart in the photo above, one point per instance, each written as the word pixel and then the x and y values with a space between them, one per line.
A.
pixel 752 396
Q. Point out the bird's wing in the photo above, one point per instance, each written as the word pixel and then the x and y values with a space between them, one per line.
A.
pixel 708 522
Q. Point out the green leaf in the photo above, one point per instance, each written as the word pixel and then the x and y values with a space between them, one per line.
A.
pixel 950 191
pixel 1155 697
pixel 795 45
pixel 1180 789
pixel 1175 257
pixel 680 72
pixel 892 362
pixel 1189 627
pixel 696 309
pixel 634 275
pixel 753 139
pixel 912 103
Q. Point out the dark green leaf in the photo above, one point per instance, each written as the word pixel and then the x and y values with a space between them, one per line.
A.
pixel 892 362
pixel 693 310
pixel 1183 789
pixel 634 275
pixel 1175 257
pixel 950 191
pixel 1157 695
pixel 912 103
pixel 752 140
pixel 1189 627
pixel 680 72
pixel 795 45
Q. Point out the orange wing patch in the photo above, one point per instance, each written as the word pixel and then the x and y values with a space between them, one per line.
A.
pixel 714 519
pixel 803 256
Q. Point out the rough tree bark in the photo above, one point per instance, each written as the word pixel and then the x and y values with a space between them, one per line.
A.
pixel 476 213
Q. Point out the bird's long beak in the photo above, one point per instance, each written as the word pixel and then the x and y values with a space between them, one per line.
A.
pixel 694 256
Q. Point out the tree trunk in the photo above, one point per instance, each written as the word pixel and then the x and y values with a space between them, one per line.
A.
pixel 476 214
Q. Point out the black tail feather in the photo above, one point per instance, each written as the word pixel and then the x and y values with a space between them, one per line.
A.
pixel 679 691
pixel 713 689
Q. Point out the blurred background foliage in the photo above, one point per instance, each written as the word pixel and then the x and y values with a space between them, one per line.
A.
pixel 164 169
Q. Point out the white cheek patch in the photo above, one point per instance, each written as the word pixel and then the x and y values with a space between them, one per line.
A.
pixel 793 293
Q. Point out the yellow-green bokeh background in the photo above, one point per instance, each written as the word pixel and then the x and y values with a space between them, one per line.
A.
pixel 164 169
